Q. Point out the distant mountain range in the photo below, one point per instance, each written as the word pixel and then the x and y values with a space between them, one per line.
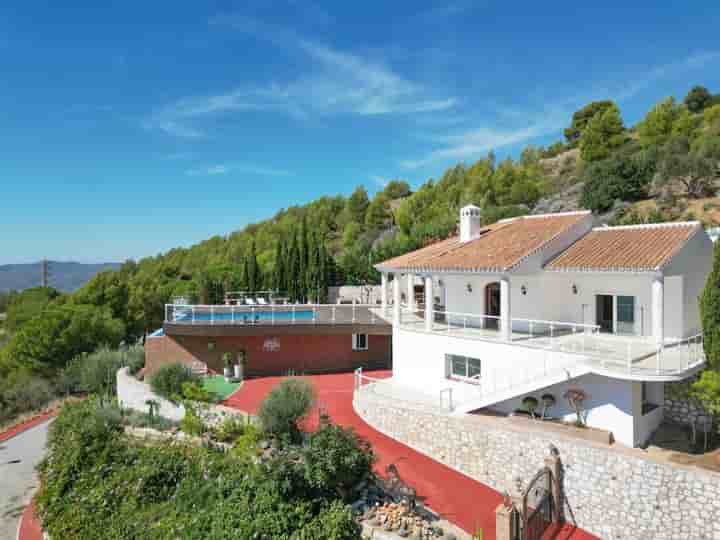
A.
pixel 64 276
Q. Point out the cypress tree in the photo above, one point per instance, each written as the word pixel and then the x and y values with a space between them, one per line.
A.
pixel 254 276
pixel 293 270
pixel 710 312
pixel 279 268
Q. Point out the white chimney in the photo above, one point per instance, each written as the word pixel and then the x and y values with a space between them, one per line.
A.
pixel 469 223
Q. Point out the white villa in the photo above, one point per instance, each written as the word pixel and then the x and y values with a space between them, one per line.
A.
pixel 537 305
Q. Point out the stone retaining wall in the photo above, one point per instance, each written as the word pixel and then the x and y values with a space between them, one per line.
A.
pixel 685 411
pixel 615 493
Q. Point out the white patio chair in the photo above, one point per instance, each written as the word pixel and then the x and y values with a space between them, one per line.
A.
pixel 262 301
pixel 250 302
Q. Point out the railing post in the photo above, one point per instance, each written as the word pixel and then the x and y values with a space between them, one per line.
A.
pixel 353 312
pixel 293 314
pixel 333 314
pixel 192 309
pixel 212 314
pixel 629 357
pixel 232 314
pixel 272 315
pixel 552 332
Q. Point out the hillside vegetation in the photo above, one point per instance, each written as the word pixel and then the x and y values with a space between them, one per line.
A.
pixel 665 167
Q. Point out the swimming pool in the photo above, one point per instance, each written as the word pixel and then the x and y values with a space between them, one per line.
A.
pixel 243 316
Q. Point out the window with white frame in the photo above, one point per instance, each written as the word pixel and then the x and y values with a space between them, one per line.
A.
pixel 463 367
pixel 359 342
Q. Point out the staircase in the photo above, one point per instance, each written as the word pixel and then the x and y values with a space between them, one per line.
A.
pixel 525 385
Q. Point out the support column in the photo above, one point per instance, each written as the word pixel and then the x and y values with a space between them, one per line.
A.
pixel 396 298
pixel 429 303
pixel 658 311
pixel 505 316
pixel 383 290
pixel 410 292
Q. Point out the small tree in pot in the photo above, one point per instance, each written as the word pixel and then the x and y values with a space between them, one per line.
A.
pixel 576 397
pixel 548 401
pixel 228 369
pixel 240 366
pixel 530 404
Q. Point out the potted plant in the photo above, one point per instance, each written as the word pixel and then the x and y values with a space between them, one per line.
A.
pixel 576 397
pixel 228 369
pixel 548 401
pixel 530 404
pixel 240 366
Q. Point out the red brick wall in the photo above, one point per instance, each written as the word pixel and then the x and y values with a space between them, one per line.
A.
pixel 301 353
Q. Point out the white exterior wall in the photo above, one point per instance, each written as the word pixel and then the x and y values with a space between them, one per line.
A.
pixel 419 362
pixel 693 263
pixel 614 404
pixel 609 406
pixel 550 297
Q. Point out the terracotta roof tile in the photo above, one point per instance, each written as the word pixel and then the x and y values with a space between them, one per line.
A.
pixel 631 248
pixel 499 247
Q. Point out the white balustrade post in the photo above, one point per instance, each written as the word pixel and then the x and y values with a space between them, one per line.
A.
pixel 333 314
pixel 232 313
pixel 383 290
pixel 505 315
pixel 353 312
pixel 193 314
pixel 429 303
pixel 396 299
pixel 629 357
pixel 658 312
pixel 293 314
pixel 212 314
pixel 410 292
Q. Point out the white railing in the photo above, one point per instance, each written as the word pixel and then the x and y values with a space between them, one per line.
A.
pixel 633 355
pixel 280 314
pixel 402 395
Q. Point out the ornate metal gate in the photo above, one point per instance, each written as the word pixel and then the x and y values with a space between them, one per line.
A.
pixel 537 510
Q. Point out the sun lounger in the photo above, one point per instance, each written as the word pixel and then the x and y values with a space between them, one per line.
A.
pixel 250 302
pixel 262 301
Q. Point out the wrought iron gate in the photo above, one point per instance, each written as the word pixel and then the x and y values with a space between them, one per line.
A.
pixel 537 510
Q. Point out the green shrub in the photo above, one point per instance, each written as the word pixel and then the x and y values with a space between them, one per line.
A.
pixel 169 379
pixel 283 408
pixel 335 522
pixel 229 429
pixel 98 483
pixel 194 391
pixel 191 423
pixel 24 393
pixel 96 373
pixel 335 460
pixel 135 359
pixel 620 177
pixel 246 445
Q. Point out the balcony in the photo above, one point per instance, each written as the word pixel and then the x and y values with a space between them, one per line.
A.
pixel 624 356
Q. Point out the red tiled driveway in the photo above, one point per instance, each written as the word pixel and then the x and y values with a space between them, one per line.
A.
pixel 456 497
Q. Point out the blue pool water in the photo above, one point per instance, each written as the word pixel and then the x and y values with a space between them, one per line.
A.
pixel 244 316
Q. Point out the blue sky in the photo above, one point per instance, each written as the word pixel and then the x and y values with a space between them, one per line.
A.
pixel 132 128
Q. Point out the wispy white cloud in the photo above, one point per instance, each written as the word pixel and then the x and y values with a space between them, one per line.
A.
pixel 335 82
pixel 447 10
pixel 212 170
pixel 244 168
pixel 503 130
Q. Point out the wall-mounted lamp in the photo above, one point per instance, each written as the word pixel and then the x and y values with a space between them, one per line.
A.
pixel 523 290
pixel 469 287
pixel 574 289
pixel 440 283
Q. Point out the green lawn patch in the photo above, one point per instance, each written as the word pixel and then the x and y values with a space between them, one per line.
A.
pixel 217 385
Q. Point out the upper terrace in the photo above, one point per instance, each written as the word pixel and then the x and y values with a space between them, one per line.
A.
pixel 293 318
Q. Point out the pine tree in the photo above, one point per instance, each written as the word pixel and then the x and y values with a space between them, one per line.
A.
pixel 603 134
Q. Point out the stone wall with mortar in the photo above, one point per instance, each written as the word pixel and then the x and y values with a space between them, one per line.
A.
pixel 613 492
pixel 684 411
